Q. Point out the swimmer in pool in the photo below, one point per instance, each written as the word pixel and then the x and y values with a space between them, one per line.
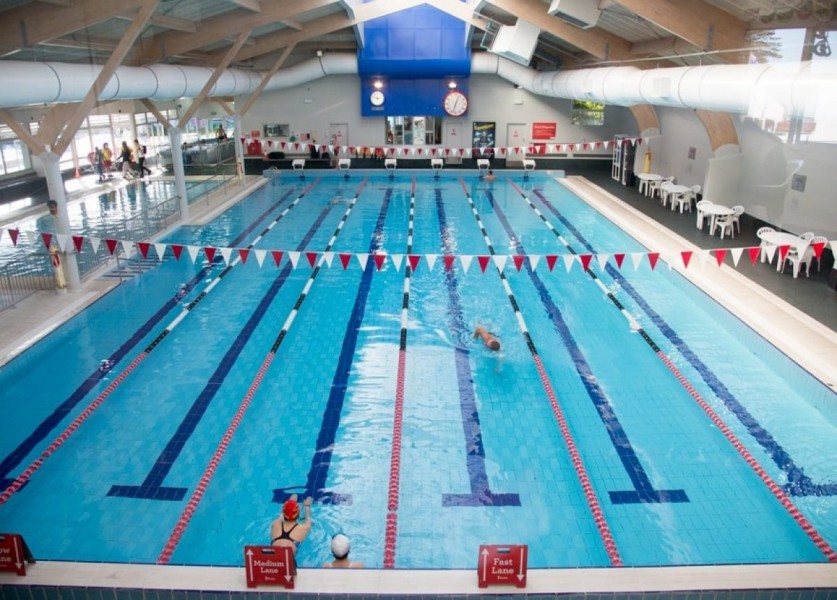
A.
pixel 292 536
pixel 489 339
pixel 339 200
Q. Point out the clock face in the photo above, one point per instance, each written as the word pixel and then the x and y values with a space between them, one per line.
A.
pixel 455 104
pixel 376 98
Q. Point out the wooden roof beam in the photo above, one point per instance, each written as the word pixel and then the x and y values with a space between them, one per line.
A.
pixel 248 4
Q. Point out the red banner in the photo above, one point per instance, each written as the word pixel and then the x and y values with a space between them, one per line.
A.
pixel 544 130
pixel 269 565
pixel 502 565
pixel 14 554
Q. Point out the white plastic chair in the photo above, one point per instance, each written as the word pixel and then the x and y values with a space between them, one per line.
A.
pixel 684 201
pixel 700 214
pixel 656 185
pixel 764 245
pixel 730 221
pixel 818 239
pixel 797 260
pixel 665 192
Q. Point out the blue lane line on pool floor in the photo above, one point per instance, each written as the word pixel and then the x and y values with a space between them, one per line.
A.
pixel 799 484
pixel 321 460
pixel 46 426
pixel 643 488
pixel 152 487
pixel 481 494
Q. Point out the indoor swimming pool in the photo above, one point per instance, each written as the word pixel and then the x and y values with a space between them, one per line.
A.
pixel 627 418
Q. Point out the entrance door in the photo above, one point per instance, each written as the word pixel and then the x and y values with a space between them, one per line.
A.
pixel 338 135
pixel 454 139
pixel 516 143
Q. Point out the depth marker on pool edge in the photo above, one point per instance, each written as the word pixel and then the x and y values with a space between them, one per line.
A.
pixel 81 418
pixel 777 491
pixel 209 472
pixel 578 464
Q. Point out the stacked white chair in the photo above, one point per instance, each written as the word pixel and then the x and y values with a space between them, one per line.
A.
pixel 701 215
pixel 764 245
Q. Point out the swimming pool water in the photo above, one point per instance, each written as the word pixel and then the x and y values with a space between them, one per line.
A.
pixel 469 440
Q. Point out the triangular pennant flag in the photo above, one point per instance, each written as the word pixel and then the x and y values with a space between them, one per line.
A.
pixel 328 257
pixel 143 248
pixel 653 257
pixel 63 241
pixel 94 243
pixel 448 259
pixel 568 259
pixel 160 249
pixel 602 258
pixel 619 257
pixel 687 256
pixel 312 258
pixel 210 253
pixel 47 237
pixel 14 234
pixel 260 256
pixel 78 241
pixel 242 139
pixel 466 261
pixel 176 249
pixel 193 252
pixel 754 252
pixel 293 256
pixel 534 259
pixel 379 259
pixel 226 253
pixel 550 260
pixel 344 259
pixel 606 144
pixel 431 260
pixel 500 261
pixel 413 261
pixel 111 244
pixel 719 255
pixel 128 247
pixel 636 257
pixel 703 256
pixel 243 254
pixel 518 260
pixel 363 259
pixel 483 261
pixel 818 248
pixel 396 260
pixel 769 252
pixel 585 260
pixel 277 256
pixel 633 141
pixel 639 141
pixel 736 255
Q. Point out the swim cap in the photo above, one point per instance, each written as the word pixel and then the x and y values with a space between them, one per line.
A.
pixel 340 546
pixel 290 510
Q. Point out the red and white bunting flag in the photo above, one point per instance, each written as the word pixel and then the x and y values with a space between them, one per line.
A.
pixel 78 242
pixel 243 254
pixel 242 138
pixel 518 259
pixel 413 261
pixel 818 247
pixel 14 234
pixel 639 141
pixel 466 261
pixel 379 259
pixel 550 260
pixel 719 255
pixel 260 256
pixel 128 247
pixel 736 255
pixel 111 245
pixel 585 260
pixel 568 259
pixel 431 261
pixel 193 252
pixel 144 247
pixel 312 258
pixel 344 259
pixel 754 252
pixel 606 143
pixel 500 261
pixel 448 260
pixel 602 260
pixel 653 257
pixel 160 249
pixel 226 253
pixel 210 253
pixel 770 252
pixel 483 261
pixel 636 258
pixel 47 238
pixel 405 151
pixel 703 256
pixel 534 259
pixel 397 259
pixel 328 257
pixel 63 241
pixel 619 257
pixel 362 259
pixel 447 151
pixel 293 256
pixel 687 256
pixel 177 250
pixel 633 141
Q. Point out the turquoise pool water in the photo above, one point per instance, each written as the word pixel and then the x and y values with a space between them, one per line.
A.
pixel 364 388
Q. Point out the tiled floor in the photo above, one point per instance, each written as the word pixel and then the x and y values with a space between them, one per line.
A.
pixel 799 315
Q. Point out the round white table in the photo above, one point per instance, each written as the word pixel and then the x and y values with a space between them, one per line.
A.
pixel 713 211
pixel 674 190
pixel 645 180
pixel 782 238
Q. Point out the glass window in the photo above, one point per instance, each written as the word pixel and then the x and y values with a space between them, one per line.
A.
pixel 586 112
pixel 418 131
pixel 13 158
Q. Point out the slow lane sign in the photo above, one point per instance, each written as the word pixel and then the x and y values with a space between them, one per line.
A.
pixel 269 565
pixel 14 554
pixel 502 565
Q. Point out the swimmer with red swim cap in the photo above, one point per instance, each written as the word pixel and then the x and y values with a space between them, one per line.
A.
pixel 287 530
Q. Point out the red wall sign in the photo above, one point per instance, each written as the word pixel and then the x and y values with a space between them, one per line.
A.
pixel 269 565
pixel 14 554
pixel 544 131
pixel 502 565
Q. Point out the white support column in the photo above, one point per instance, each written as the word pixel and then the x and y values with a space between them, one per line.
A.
pixel 239 148
pixel 55 187
pixel 176 141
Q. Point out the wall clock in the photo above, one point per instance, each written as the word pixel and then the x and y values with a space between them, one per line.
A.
pixel 376 98
pixel 455 103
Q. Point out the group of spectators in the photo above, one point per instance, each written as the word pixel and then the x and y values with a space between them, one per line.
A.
pixel 131 156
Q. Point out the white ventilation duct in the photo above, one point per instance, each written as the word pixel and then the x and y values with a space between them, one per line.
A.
pixel 798 88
